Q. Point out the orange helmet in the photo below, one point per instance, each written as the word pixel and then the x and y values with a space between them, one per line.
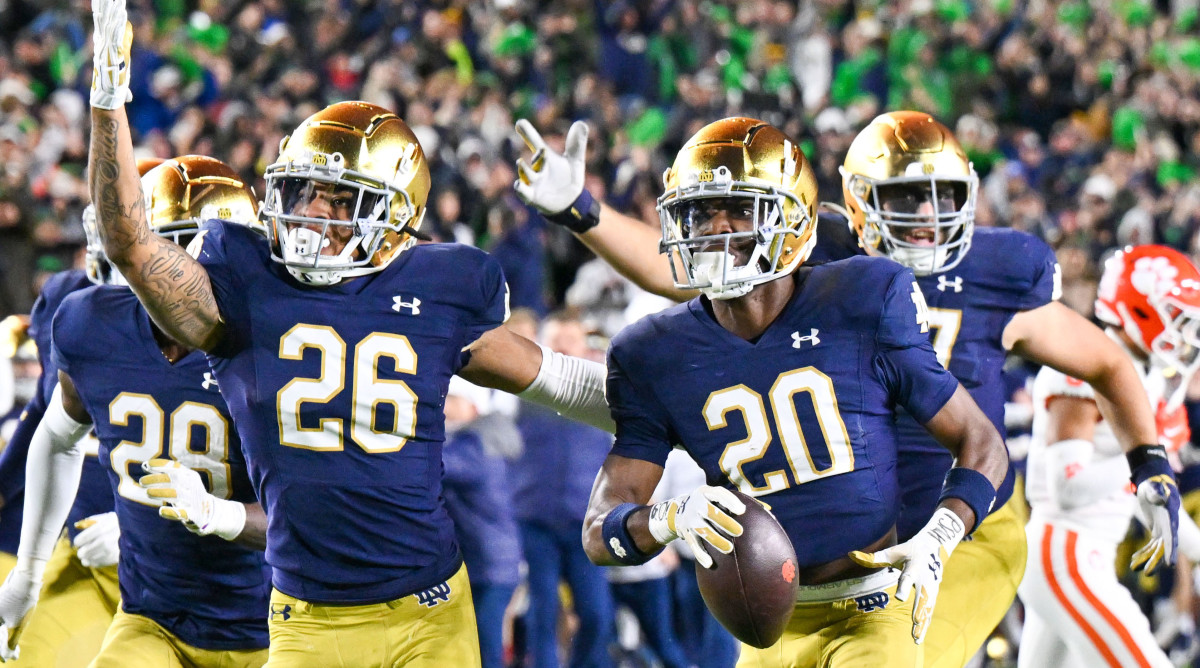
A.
pixel 1152 293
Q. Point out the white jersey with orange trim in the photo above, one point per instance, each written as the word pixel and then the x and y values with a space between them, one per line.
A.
pixel 1078 614
pixel 1107 514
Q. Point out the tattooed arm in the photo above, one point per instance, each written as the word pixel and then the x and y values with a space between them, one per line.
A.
pixel 172 285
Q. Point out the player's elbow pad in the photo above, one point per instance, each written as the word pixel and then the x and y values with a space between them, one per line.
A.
pixel 572 386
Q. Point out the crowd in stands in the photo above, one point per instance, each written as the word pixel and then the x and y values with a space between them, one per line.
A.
pixel 1082 119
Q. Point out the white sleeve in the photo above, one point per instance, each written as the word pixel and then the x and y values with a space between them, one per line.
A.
pixel 572 386
pixel 1076 480
pixel 52 472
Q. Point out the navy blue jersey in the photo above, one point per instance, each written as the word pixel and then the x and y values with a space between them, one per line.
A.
pixel 94 496
pixel 805 414
pixel 1005 272
pixel 338 392
pixel 210 592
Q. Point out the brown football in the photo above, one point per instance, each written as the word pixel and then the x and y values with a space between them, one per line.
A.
pixel 752 590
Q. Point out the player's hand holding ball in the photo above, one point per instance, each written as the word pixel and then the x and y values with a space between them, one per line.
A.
pixel 112 41
pixel 922 559
pixel 705 515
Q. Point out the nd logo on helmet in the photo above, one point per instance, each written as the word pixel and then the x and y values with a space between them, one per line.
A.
pixel 706 176
pixel 320 159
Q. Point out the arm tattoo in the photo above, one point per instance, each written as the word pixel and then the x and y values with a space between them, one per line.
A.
pixel 123 226
pixel 172 285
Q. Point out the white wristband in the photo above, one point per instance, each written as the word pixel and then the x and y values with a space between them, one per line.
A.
pixel 228 519
pixel 662 520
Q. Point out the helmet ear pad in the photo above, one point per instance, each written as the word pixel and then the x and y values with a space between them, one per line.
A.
pixel 750 165
pixel 369 152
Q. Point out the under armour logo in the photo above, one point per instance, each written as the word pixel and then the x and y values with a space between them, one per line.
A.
pixel 872 602
pixel 798 341
pixel 616 547
pixel 283 612
pixel 434 595
pixel 935 567
pixel 399 303
pixel 209 381
pixel 956 283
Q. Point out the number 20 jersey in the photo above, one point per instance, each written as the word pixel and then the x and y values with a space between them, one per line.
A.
pixel 339 392
pixel 804 415
pixel 209 592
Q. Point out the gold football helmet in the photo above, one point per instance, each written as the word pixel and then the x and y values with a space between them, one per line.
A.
pixel 897 164
pixel 184 192
pixel 352 173
pixel 99 270
pixel 752 171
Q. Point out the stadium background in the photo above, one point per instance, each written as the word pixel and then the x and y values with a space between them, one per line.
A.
pixel 1082 119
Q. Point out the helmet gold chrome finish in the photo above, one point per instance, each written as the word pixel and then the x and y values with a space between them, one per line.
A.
pixel 184 192
pixel 747 165
pixel 896 164
pixel 364 157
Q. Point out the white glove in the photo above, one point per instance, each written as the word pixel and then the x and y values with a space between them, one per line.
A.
pixel 550 181
pixel 112 39
pixel 696 517
pixel 98 543
pixel 1158 507
pixel 922 558
pixel 18 595
pixel 186 500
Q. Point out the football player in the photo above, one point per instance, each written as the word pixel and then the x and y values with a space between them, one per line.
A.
pixel 998 297
pixel 831 351
pixel 333 341
pixel 185 595
pixel 81 593
pixel 1077 613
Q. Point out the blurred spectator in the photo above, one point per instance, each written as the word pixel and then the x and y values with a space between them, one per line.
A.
pixel 478 493
pixel 552 481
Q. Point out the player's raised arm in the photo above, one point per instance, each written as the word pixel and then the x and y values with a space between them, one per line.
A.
pixel 553 184
pixel 174 287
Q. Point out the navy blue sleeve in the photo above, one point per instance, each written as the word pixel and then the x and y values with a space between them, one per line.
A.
pixel 1045 283
pixel 640 434
pixel 904 358
pixel 12 459
pixel 211 250
pixel 493 303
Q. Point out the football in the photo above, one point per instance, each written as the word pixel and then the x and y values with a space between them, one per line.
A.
pixel 752 590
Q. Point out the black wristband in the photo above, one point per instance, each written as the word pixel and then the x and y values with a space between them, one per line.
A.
pixel 1146 461
pixel 581 216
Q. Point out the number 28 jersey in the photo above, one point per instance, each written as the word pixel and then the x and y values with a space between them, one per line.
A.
pixel 339 395
pixel 804 415
pixel 208 591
